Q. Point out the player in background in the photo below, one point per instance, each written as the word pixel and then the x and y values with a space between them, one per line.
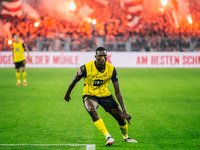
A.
pixel 19 59
pixel 97 75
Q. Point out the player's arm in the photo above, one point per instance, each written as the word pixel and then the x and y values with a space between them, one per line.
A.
pixel 71 86
pixel 119 96
pixel 12 54
pixel 24 46
pixel 81 73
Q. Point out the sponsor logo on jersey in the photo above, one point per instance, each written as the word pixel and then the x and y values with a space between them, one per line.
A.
pixel 98 82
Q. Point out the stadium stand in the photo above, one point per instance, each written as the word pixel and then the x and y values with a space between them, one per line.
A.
pixel 57 34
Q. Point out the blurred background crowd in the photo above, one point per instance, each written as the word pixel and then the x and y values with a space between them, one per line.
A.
pixel 118 25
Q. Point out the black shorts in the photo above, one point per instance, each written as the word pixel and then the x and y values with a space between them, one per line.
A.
pixel 107 103
pixel 20 64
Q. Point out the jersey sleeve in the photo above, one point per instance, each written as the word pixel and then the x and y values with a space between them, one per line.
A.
pixel 114 77
pixel 82 71
pixel 23 45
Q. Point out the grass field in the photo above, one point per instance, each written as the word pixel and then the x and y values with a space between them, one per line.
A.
pixel 164 105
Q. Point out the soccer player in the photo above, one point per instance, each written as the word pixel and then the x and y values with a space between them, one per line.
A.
pixel 19 59
pixel 97 75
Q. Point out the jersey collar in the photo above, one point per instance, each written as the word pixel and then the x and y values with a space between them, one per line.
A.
pixel 97 67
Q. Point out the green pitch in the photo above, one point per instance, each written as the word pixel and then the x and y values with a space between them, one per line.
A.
pixel 164 105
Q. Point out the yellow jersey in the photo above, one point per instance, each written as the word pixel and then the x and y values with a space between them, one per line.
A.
pixel 95 82
pixel 18 49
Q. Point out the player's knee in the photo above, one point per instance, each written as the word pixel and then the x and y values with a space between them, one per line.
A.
pixel 93 114
pixel 121 120
pixel 92 110
pixel 23 69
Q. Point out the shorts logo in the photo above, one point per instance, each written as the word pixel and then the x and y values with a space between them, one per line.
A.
pixel 85 98
pixel 79 72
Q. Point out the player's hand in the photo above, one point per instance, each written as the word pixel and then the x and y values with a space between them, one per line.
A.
pixel 29 58
pixel 127 116
pixel 67 98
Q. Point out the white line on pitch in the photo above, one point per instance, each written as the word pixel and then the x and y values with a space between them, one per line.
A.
pixel 88 146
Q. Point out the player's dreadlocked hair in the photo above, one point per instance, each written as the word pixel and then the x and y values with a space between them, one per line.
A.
pixel 100 49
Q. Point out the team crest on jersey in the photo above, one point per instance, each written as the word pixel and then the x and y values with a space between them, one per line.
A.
pixel 79 72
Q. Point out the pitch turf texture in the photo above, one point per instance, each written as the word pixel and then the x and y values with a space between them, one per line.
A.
pixel 164 105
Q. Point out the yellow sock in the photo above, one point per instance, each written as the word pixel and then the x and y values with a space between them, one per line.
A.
pixel 101 126
pixel 124 130
pixel 18 76
pixel 24 76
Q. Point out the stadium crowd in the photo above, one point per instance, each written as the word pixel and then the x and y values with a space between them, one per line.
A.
pixel 53 32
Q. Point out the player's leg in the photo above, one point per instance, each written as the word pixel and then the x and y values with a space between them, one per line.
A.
pixel 91 107
pixel 24 73
pixel 17 74
pixel 110 105
pixel 118 115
